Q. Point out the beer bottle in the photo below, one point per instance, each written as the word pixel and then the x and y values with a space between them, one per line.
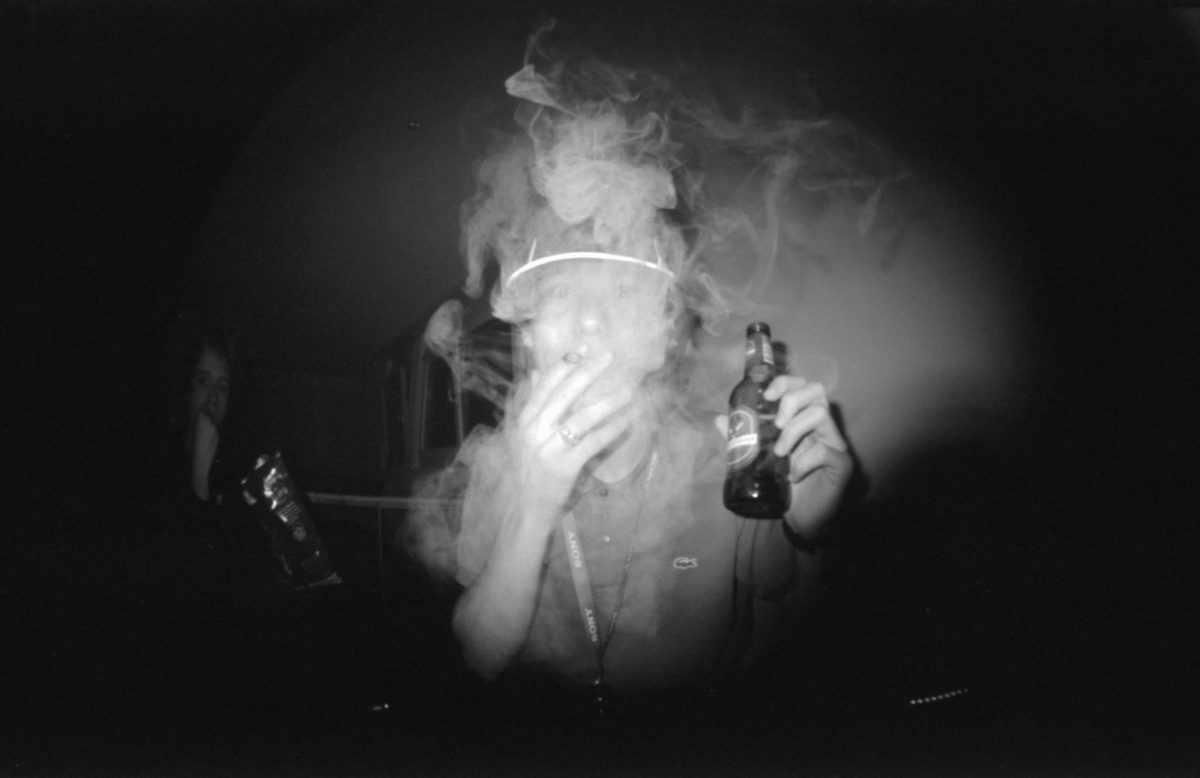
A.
pixel 294 539
pixel 756 481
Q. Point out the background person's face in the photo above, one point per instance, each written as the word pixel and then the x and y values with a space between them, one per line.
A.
pixel 587 308
pixel 210 387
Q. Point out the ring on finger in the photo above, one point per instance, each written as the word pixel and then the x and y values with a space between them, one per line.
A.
pixel 569 437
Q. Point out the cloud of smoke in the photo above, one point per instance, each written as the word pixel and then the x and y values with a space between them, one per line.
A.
pixel 647 164
pixel 629 161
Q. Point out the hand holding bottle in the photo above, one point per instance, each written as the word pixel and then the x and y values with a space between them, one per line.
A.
pixel 819 461
pixel 786 456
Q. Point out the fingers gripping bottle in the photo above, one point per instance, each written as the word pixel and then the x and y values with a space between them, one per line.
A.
pixel 756 481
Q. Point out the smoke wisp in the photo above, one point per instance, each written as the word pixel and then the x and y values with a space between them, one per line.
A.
pixel 645 164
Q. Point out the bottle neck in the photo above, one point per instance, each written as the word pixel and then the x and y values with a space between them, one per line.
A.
pixel 760 358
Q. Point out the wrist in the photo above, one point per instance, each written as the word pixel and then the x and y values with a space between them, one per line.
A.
pixel 808 541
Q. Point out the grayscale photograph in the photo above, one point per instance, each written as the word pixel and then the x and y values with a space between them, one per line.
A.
pixel 564 388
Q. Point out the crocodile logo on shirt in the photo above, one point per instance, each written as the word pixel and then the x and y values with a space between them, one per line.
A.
pixel 686 562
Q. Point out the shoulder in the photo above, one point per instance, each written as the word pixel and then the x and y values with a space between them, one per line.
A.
pixel 693 436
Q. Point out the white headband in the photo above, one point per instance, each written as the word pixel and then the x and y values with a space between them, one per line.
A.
pixel 533 263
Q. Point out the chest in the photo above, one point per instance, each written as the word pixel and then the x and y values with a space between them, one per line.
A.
pixel 642 554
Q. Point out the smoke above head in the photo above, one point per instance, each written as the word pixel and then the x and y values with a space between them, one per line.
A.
pixel 626 160
pixel 591 169
pixel 650 164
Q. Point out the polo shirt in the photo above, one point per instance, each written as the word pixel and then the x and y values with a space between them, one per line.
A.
pixel 688 564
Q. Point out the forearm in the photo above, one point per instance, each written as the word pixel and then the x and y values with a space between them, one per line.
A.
pixel 493 615
pixel 204 442
pixel 201 469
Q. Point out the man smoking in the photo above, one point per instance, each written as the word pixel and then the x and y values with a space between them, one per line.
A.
pixel 594 546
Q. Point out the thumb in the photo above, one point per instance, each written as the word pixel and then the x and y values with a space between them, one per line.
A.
pixel 721 422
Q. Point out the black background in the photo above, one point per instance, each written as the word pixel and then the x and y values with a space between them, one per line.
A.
pixel 1063 566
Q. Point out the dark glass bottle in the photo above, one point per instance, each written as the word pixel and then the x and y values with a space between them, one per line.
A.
pixel 293 535
pixel 756 481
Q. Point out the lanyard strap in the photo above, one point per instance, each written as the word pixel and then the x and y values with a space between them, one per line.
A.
pixel 583 583
pixel 586 596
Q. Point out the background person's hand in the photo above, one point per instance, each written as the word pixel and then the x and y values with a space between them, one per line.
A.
pixel 206 438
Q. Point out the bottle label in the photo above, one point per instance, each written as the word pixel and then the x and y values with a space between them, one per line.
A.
pixel 741 446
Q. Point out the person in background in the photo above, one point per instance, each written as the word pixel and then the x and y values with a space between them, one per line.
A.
pixel 213 519
pixel 245 500
pixel 207 408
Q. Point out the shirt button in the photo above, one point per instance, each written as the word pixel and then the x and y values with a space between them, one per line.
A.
pixel 606 538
